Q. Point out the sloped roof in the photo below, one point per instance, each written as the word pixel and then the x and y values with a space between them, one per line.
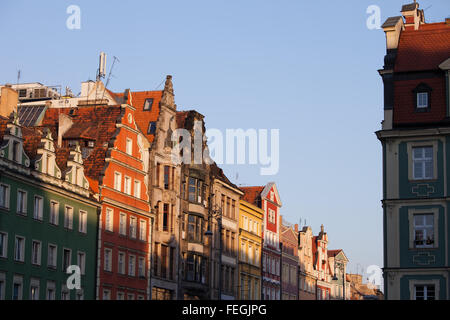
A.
pixel 423 49
pixel 143 118
pixel 252 194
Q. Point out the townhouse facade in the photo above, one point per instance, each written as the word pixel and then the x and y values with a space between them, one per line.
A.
pixel 321 265
pixel 339 278
pixel 307 275
pixel 48 217
pixel 250 240
pixel 289 261
pixel 414 139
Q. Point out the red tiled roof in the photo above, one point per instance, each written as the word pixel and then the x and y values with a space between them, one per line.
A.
pixel 251 194
pixel 31 141
pixel 143 118
pixel 423 49
pixel 333 252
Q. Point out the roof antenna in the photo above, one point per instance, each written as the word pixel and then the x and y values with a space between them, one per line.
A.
pixel 18 76
pixel 110 74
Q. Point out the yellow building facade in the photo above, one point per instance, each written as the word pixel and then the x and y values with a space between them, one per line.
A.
pixel 250 240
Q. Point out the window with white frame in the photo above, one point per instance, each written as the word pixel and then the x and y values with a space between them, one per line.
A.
pixel 141 267
pixel 4 196
pixel 120 295
pixel 109 218
pixel 68 217
pixel 34 289
pixel 51 290
pixel 17 288
pixel 81 261
pixel 121 263
pixel 137 189
pixel 271 216
pixel 131 265
pixel 107 266
pixel 127 185
pixel 52 256
pixel 106 294
pixel 423 164
pixel 38 208
pixel 3 244
pixel 82 226
pixel 123 224
pixel 422 100
pixel 133 226
pixel 36 252
pixel 118 181
pixel 54 212
pixel 142 230
pixel 129 146
pixel 130 296
pixel 424 230
pixel 19 249
pixel 21 202
pixel 67 258
pixel 424 292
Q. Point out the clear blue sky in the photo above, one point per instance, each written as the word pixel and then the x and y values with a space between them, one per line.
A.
pixel 308 68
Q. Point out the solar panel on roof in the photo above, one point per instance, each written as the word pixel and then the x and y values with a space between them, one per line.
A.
pixel 28 115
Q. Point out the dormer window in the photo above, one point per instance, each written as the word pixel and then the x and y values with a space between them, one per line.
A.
pixel 148 104
pixel 15 151
pixel 422 95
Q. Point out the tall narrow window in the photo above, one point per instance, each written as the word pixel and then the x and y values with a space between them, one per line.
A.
pixel 81 261
pixel 54 212
pixel 166 217
pixel 127 185
pixel 118 181
pixel 52 256
pixel 19 252
pixel 36 252
pixel 109 219
pixel 107 260
pixel 121 263
pixel 132 265
pixel 68 218
pixel 133 226
pixel 423 163
pixel 3 244
pixel 141 267
pixel 142 230
pixel 164 261
pixel 67 257
pixel 21 202
pixel 83 222
pixel 123 224
pixel 192 189
pixel 129 146
pixel 4 196
pixel 16 151
pixel 166 177
pixel 137 189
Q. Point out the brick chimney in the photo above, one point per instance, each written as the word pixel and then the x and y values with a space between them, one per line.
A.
pixel 413 16
pixel 8 100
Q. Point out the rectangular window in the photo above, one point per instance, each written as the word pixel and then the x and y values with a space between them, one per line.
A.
pixel 141 267
pixel 137 189
pixel 130 296
pixel 127 185
pixel 17 289
pixel 34 290
pixel 120 296
pixel 52 256
pixel 81 261
pixel 21 202
pixel 4 196
pixel 118 181
pixel 133 226
pixel 82 227
pixel 423 163
pixel 192 189
pixel 68 218
pixel 121 263
pixel 166 177
pixel 131 265
pixel 50 290
pixel 151 128
pixel 36 252
pixel 67 257
pixel 54 212
pixel 19 252
pixel 148 104
pixel 109 219
pixel 106 295
pixel 424 292
pixel 123 224
pixel 143 230
pixel 129 146
pixel 38 208
pixel 164 256
pixel 166 217
pixel 16 151
pixel 3 244
pixel 422 100
pixel 424 230
pixel 107 260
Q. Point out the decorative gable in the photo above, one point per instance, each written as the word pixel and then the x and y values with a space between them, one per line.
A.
pixel 46 162
pixel 75 169
pixel 12 148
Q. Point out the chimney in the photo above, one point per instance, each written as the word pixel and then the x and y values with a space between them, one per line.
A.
pixel 64 124
pixel 8 100
pixel 413 16
pixel 296 228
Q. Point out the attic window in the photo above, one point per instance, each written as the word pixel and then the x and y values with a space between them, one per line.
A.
pixel 422 95
pixel 148 104
pixel 151 128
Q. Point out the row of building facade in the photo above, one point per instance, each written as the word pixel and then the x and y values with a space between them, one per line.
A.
pixel 90 181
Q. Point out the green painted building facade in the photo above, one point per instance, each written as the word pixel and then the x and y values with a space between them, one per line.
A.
pixel 48 221
pixel 415 139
